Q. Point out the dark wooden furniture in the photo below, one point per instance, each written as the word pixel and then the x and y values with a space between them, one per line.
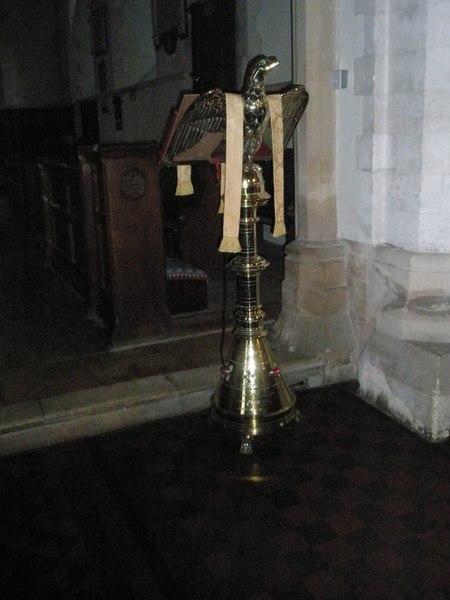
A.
pixel 27 135
pixel 124 237
pixel 186 286
pixel 64 225
pixel 15 181
pixel 194 227
pixel 105 237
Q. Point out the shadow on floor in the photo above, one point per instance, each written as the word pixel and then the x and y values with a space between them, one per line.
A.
pixel 347 504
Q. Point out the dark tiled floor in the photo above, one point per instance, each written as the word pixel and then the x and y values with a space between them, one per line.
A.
pixel 346 504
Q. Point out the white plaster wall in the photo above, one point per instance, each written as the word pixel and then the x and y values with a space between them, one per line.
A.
pixel 31 52
pixel 133 55
pixel 81 66
pixel 132 42
pixel 145 112
pixel 264 27
pixel 154 78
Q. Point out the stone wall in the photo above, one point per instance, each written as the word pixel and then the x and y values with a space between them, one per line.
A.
pixel 315 315
pixel 402 368
pixel 264 27
pixel 148 81
pixel 372 196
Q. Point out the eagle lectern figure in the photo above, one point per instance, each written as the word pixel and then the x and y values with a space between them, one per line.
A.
pixel 251 396
pixel 207 115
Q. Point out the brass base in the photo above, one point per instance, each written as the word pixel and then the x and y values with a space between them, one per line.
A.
pixel 252 396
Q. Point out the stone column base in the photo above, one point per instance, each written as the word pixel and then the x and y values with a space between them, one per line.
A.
pixel 405 367
pixel 410 382
pixel 314 318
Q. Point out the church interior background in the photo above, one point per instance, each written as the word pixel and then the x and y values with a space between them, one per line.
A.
pixel 112 294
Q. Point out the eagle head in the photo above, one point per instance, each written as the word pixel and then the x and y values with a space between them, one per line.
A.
pixel 257 69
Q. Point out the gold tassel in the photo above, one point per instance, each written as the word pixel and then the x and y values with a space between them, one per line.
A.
pixel 279 230
pixel 230 244
pixel 233 179
pixel 222 189
pixel 276 124
pixel 184 183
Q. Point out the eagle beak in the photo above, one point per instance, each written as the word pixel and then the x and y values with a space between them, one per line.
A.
pixel 272 61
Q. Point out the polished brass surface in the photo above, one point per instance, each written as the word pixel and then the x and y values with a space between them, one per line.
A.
pixel 199 134
pixel 252 396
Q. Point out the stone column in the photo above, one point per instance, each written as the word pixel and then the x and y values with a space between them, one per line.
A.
pixel 404 367
pixel 314 318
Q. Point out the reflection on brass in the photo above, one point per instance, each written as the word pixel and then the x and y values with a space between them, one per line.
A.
pixel 252 396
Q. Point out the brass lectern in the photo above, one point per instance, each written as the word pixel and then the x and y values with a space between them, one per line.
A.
pixel 251 396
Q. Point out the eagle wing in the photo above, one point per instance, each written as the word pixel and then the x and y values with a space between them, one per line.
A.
pixel 294 101
pixel 199 133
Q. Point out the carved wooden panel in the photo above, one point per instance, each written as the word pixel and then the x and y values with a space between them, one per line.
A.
pixel 135 241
